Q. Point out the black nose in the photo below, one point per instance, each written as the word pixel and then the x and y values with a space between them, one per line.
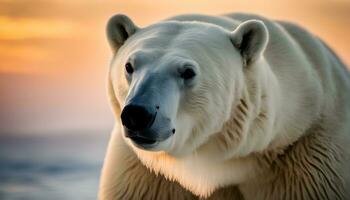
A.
pixel 137 118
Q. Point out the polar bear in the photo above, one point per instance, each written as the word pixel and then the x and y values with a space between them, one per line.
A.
pixel 225 107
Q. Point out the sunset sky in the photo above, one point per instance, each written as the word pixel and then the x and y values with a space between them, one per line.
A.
pixel 54 55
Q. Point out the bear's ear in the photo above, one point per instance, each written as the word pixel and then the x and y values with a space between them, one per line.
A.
pixel 250 38
pixel 119 28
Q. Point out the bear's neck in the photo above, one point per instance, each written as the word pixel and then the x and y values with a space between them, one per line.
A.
pixel 266 114
pixel 255 117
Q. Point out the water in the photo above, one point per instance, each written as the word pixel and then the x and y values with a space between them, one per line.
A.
pixel 51 167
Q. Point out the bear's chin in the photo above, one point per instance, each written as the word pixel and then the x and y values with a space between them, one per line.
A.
pixel 158 146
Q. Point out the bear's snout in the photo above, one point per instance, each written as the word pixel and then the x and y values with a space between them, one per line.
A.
pixel 145 126
pixel 137 118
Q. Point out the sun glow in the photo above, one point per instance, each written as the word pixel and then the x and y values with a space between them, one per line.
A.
pixel 27 28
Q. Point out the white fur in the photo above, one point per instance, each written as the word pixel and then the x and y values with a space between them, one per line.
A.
pixel 283 81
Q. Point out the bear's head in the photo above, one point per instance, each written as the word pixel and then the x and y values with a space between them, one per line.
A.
pixel 174 84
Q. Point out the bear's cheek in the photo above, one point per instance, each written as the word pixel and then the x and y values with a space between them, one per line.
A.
pixel 182 144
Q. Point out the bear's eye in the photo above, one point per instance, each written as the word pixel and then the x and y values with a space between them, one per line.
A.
pixel 129 68
pixel 188 74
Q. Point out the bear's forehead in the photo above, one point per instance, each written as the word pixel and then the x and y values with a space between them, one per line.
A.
pixel 183 35
pixel 173 39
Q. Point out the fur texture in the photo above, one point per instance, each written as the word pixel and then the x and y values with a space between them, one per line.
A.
pixel 267 116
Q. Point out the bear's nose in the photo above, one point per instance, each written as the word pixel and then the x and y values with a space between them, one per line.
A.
pixel 137 118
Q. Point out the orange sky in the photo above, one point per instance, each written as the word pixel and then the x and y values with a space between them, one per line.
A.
pixel 54 54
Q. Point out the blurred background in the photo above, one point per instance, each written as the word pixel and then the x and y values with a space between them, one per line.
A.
pixel 54 115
